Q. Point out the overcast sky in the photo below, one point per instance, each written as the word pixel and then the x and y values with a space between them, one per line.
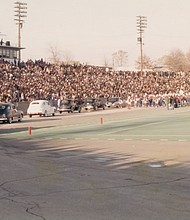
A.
pixel 92 30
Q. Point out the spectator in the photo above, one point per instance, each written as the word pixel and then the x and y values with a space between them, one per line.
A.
pixel 42 80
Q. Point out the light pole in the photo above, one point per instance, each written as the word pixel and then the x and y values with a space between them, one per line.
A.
pixel 141 25
pixel 20 15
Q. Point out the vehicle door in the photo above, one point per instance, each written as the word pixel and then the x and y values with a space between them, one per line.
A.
pixel 14 112
pixel 49 108
pixel 46 108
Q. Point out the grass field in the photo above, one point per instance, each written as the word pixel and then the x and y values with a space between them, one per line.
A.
pixel 156 124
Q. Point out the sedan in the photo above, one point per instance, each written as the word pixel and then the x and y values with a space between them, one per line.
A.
pixel 9 113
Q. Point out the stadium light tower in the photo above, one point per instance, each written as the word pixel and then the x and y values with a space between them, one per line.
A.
pixel 141 25
pixel 20 10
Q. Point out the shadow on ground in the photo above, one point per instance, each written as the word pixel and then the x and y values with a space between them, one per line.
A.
pixel 60 178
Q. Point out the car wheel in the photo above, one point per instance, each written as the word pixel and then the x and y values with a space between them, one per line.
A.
pixel 20 118
pixel 30 116
pixel 45 114
pixel 10 120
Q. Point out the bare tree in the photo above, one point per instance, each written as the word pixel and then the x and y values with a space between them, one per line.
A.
pixel 176 61
pixel 55 55
pixel 67 57
pixel 188 60
pixel 145 61
pixel 106 62
pixel 119 58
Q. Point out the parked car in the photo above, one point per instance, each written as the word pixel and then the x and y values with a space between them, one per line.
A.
pixel 124 103
pixel 115 102
pixel 67 105
pixel 41 108
pixel 70 105
pixel 9 113
pixel 79 105
pixel 96 103
pixel 90 104
pixel 102 103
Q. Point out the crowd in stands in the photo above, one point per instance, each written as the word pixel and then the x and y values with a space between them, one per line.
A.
pixel 41 80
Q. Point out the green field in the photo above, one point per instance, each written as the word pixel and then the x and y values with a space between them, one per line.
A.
pixel 143 124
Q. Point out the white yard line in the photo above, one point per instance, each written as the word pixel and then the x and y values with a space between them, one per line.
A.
pixel 135 127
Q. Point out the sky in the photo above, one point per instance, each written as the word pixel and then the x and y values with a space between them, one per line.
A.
pixel 90 31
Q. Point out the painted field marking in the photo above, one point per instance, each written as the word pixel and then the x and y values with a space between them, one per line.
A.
pixel 163 139
pixel 135 127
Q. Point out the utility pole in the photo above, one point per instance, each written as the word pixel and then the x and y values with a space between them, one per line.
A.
pixel 20 15
pixel 141 25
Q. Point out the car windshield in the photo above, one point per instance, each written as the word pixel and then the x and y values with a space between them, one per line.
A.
pixel 2 108
pixel 35 103
pixel 89 100
pixel 113 99
pixel 102 100
pixel 66 102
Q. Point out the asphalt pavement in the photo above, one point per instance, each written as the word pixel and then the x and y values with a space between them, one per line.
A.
pixel 105 165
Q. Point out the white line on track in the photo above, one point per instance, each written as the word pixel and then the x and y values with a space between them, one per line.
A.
pixel 135 127
pixel 163 139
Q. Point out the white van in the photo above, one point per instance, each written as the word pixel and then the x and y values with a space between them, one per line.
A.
pixel 41 107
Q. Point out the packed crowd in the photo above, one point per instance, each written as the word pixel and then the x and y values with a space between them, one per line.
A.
pixel 42 80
